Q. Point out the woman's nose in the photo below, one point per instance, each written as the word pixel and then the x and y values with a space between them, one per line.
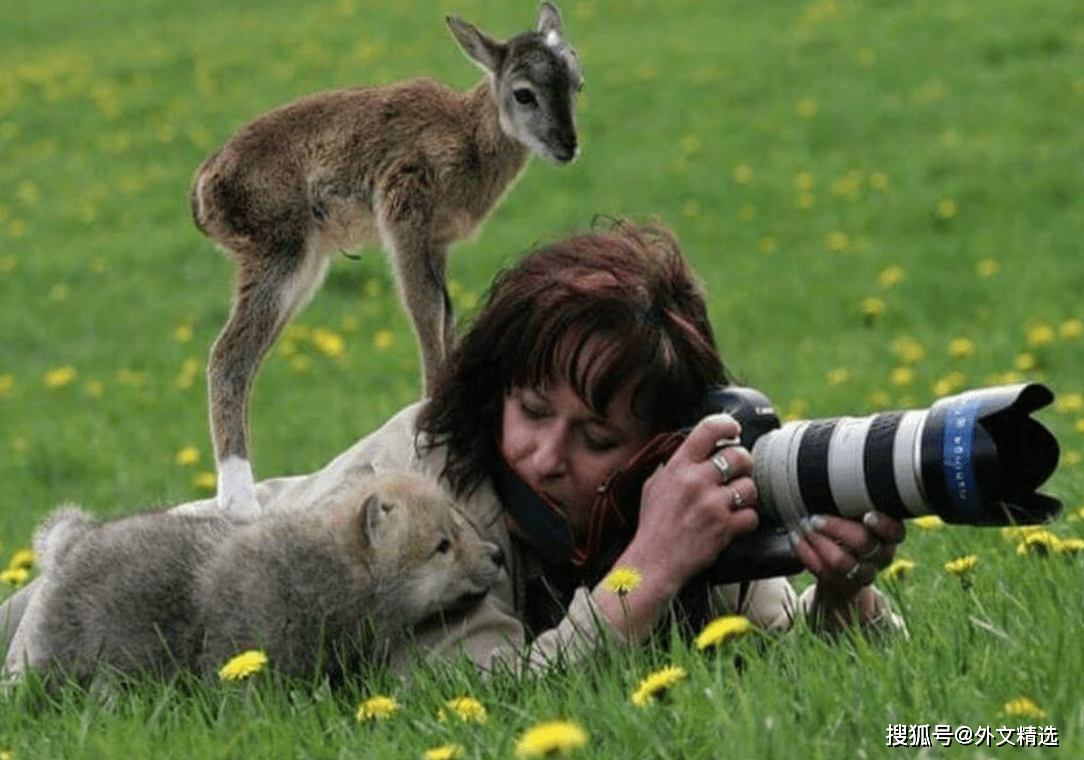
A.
pixel 548 457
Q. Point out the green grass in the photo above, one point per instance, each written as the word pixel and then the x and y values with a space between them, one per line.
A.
pixel 805 152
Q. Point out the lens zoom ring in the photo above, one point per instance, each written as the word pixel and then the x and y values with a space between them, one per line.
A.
pixel 877 465
pixel 813 468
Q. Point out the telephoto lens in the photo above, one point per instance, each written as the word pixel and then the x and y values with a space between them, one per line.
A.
pixel 976 458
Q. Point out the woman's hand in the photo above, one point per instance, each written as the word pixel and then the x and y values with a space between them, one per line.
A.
pixel 691 509
pixel 845 556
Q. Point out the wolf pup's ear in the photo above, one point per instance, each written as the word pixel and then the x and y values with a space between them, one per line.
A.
pixel 374 512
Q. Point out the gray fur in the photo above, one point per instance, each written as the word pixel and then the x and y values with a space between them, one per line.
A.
pixel 319 591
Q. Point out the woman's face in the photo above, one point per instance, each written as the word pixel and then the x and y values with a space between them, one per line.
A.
pixel 560 448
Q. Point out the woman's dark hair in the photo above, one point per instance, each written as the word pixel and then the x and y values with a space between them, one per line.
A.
pixel 542 322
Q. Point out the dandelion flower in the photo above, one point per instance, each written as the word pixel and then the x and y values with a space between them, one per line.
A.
pixel 806 107
pixel 183 333
pixel 837 241
pixel 551 737
pixel 377 708
pixel 59 377
pixel 188 456
pixel 891 276
pixel 1070 546
pixel 243 665
pixel 743 175
pixel 7 382
pixel 960 348
pixel 443 752
pixel 902 376
pixel 988 267
pixel 383 340
pixel 1024 362
pixel 468 709
pixel 873 307
pixel 328 343
pixel 1069 403
pixel 205 481
pixel 657 684
pixel 949 384
pixel 15 576
pixel 839 376
pixel 1040 334
pixel 723 629
pixel 947 208
pixel 1023 707
pixel 622 580
pixel 898 570
pixel 909 350
pixel 23 558
pixel 1071 329
pixel 1040 542
pixel 962 566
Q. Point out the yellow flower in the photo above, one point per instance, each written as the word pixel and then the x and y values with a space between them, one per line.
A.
pixel 873 306
pixel 837 241
pixel 1040 334
pixel 806 107
pixel 1023 707
pixel 949 384
pixel 551 737
pixel 960 348
pixel 183 333
pixel 622 580
pixel 963 565
pixel 891 276
pixel 908 350
pixel 898 570
pixel 205 481
pixel 839 376
pixel 329 343
pixel 902 376
pixel 468 709
pixel 188 456
pixel 1069 402
pixel 1071 329
pixel 7 382
pixel 59 377
pixel 443 752
pixel 1024 361
pixel 1041 542
pixel 377 708
pixel 947 208
pixel 1070 546
pixel 243 665
pixel 14 576
pixel 23 559
pixel 383 340
pixel 988 267
pixel 743 175
pixel 723 629
pixel 659 682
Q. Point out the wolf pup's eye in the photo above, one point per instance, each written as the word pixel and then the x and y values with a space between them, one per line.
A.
pixel 444 546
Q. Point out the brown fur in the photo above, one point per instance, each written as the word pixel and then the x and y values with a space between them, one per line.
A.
pixel 413 165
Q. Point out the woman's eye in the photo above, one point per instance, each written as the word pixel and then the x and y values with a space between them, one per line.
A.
pixel 600 444
pixel 531 412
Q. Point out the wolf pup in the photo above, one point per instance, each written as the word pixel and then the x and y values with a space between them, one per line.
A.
pixel 319 591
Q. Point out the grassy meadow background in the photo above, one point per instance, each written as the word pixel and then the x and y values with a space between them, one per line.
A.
pixel 885 202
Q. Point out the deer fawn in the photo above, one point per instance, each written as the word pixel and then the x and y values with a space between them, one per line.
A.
pixel 412 165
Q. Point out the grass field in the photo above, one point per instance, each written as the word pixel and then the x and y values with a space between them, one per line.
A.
pixel 884 199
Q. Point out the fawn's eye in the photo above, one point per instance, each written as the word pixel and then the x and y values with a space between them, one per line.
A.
pixel 444 546
pixel 524 96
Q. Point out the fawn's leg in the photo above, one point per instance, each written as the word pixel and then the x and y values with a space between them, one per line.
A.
pixel 271 287
pixel 404 219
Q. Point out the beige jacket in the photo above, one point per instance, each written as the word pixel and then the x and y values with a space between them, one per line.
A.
pixel 492 633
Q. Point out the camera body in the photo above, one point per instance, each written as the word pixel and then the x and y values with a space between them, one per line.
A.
pixel 976 458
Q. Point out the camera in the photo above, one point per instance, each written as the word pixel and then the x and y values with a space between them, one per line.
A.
pixel 976 458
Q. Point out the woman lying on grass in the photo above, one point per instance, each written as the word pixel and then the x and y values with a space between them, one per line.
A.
pixel 585 352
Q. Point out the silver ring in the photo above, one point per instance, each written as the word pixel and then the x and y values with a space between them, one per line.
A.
pixel 736 499
pixel 872 552
pixel 722 467
pixel 852 574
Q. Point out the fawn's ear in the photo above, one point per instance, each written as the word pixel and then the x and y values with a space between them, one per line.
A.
pixel 549 20
pixel 480 48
